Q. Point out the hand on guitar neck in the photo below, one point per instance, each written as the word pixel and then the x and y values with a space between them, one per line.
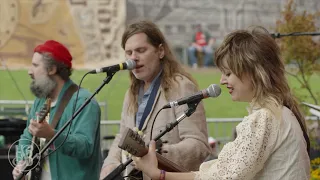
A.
pixel 133 144
pixel 41 129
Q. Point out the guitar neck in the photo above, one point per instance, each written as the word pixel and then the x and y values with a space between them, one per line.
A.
pixel 40 117
pixel 132 143
pixel 167 165
pixel 36 140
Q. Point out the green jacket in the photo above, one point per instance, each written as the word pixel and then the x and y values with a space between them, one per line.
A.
pixel 80 156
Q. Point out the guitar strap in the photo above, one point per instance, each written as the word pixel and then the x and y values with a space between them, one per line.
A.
pixel 36 172
pixel 150 102
pixel 64 101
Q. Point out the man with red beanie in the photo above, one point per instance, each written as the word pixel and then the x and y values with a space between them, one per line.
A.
pixel 79 156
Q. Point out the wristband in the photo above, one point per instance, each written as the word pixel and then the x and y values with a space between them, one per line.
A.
pixel 162 175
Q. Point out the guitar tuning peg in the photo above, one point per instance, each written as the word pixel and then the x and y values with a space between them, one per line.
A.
pixel 140 133
pixel 141 142
pixel 135 129
pixel 135 152
pixel 129 154
pixel 126 153
pixel 131 134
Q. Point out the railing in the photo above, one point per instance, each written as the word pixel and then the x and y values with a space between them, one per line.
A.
pixel 221 129
pixel 21 107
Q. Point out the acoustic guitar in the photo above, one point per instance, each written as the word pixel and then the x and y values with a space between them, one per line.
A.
pixel 132 142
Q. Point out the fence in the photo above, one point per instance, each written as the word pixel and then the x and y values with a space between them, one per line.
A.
pixel 219 128
pixel 21 108
pixel 222 129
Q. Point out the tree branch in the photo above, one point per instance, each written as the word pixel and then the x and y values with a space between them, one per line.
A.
pixel 295 76
pixel 305 82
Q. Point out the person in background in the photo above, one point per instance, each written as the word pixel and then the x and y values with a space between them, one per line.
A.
pixel 201 42
pixel 272 141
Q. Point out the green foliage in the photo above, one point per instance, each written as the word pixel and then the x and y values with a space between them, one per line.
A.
pixel 304 53
pixel 113 94
pixel 301 51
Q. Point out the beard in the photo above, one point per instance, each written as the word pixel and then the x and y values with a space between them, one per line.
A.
pixel 42 86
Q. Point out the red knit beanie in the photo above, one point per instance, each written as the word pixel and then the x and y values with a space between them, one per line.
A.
pixel 58 51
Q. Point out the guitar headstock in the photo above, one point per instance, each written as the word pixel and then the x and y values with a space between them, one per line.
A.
pixel 132 142
pixel 44 110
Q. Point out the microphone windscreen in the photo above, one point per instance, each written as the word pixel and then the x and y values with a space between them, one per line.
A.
pixel 214 90
pixel 131 64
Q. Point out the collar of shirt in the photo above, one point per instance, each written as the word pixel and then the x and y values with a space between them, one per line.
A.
pixel 143 98
pixel 147 93
pixel 64 88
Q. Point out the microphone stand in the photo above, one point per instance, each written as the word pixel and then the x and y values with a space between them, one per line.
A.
pixel 39 155
pixel 278 35
pixel 191 109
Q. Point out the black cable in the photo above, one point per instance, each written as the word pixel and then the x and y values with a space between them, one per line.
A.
pixel 16 84
pixel 73 110
pixel 279 35
pixel 191 109
pixel 154 120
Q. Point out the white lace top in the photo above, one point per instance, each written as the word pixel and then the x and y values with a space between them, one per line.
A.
pixel 266 148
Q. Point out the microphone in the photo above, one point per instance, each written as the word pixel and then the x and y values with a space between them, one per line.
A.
pixel 212 91
pixel 129 65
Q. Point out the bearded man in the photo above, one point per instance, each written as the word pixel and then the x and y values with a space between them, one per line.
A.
pixel 76 153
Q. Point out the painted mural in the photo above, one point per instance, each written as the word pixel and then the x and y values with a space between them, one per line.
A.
pixel 90 29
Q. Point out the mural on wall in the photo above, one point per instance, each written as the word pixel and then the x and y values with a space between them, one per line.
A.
pixel 90 29
pixel 100 26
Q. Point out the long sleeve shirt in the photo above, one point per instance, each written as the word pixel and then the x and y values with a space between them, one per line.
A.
pixel 266 148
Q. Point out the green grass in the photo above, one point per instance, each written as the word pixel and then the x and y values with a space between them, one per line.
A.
pixel 113 93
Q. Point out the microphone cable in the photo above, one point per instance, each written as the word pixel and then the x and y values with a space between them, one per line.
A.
pixel 154 120
pixel 16 85
pixel 73 110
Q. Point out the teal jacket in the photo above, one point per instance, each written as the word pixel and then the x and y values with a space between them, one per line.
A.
pixel 80 156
